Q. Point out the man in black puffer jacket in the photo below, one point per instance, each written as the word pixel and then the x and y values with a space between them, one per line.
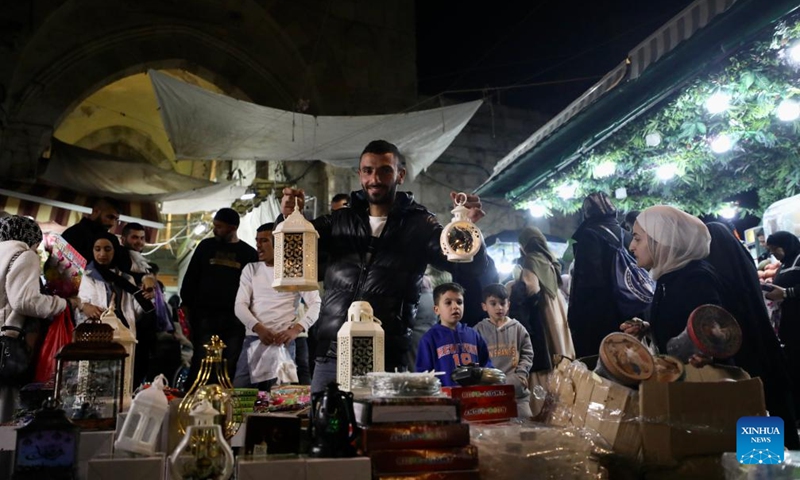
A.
pixel 377 251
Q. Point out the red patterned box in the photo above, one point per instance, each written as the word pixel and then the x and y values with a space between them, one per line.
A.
pixel 428 460
pixel 414 436
pixel 485 403
pixel 460 475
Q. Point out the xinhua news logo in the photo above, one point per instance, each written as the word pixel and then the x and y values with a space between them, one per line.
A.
pixel 759 440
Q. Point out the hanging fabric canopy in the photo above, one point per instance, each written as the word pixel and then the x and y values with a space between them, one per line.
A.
pixel 205 199
pixel 205 125
pixel 96 173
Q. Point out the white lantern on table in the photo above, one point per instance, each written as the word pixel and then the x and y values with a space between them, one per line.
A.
pixel 460 239
pixel 361 345
pixel 295 254
pixel 142 425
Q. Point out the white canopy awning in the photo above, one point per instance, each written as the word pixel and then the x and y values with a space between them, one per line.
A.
pixel 205 125
pixel 97 173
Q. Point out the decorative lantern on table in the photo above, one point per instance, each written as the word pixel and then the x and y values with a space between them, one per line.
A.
pixel 203 453
pixel 214 385
pixel 361 345
pixel 127 339
pixel 142 425
pixel 47 446
pixel 90 375
pixel 461 239
pixel 295 254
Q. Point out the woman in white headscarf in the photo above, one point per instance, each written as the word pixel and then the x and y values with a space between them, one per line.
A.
pixel 672 244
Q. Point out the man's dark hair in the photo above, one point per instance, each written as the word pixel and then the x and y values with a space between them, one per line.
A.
pixel 444 288
pixel 154 268
pixel 267 227
pixel 126 230
pixel 494 290
pixel 339 197
pixel 382 147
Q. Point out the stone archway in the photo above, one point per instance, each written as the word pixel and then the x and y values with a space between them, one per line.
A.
pixel 76 51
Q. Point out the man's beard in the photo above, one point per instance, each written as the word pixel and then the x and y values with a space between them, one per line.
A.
pixel 386 195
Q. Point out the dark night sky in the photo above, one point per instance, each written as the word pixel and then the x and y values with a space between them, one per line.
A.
pixel 503 43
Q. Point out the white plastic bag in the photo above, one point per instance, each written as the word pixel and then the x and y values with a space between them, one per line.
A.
pixel 270 361
pixel 287 370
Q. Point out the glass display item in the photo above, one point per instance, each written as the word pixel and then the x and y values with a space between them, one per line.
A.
pixel 47 446
pixel 361 345
pixel 90 376
pixel 142 425
pixel 624 360
pixel 295 254
pixel 461 239
pixel 710 331
pixel 214 385
pixel 127 339
pixel 203 453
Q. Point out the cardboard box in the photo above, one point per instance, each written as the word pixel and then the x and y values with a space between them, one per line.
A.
pixel 692 468
pixel 258 469
pixel 413 436
pixel 583 383
pixel 357 468
pixel 423 461
pixel 482 403
pixel 714 373
pixel 613 412
pixel 124 467
pixel 685 419
pixel 92 445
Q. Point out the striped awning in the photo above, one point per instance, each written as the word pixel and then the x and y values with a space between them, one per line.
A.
pixel 60 207
pixel 678 30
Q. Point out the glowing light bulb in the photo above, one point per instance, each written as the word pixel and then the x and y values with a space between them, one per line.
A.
pixel 718 103
pixel 788 110
pixel 721 144
pixel 537 210
pixel 794 53
pixel 248 196
pixel 652 139
pixel 604 169
pixel 567 190
pixel 728 212
pixel 666 172
pixel 199 229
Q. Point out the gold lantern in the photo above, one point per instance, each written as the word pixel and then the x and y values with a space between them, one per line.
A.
pixel 214 385
pixel 461 239
pixel 295 254
pixel 90 376
pixel 360 345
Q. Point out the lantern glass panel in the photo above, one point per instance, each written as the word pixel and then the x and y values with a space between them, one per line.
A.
pixel 293 255
pixel 89 389
pixel 363 348
pixel 460 238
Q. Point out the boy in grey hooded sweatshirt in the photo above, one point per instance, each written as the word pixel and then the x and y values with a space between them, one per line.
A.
pixel 509 344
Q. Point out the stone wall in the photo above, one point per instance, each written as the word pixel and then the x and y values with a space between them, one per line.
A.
pixel 324 57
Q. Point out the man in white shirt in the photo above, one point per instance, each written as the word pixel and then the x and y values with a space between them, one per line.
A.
pixel 268 315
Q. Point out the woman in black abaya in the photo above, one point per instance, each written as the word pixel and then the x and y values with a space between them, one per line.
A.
pixel 761 354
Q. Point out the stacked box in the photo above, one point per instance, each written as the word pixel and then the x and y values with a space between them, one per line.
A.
pixel 485 403
pixel 416 437
pixel 244 402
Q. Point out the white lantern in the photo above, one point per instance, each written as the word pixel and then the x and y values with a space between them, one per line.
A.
pixel 127 339
pixel 295 254
pixel 461 239
pixel 203 452
pixel 361 345
pixel 143 423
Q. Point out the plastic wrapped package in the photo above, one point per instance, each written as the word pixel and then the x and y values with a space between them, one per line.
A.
pixel 790 468
pixel 386 384
pixel 516 449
